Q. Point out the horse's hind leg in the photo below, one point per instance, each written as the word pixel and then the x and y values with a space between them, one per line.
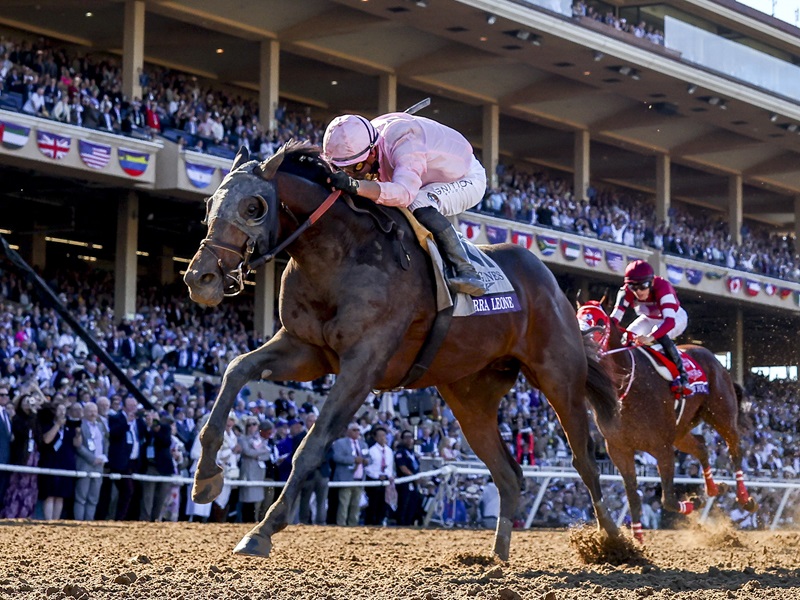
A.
pixel 626 465
pixel 723 417
pixel 564 390
pixel 283 358
pixel 474 402
pixel 695 445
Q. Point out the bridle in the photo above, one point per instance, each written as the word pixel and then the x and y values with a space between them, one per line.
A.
pixel 589 320
pixel 233 280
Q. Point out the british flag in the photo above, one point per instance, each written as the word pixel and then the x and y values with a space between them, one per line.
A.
pixel 52 145
pixel 592 256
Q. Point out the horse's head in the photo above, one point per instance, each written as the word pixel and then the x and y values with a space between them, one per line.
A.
pixel 594 321
pixel 242 224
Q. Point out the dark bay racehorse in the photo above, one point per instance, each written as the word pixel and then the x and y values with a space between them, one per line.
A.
pixel 646 417
pixel 352 303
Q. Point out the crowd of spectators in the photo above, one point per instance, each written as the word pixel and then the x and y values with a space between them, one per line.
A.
pixel 616 215
pixel 66 410
pixel 85 89
pixel 639 29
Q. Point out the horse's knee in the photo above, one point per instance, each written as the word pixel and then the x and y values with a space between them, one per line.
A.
pixel 210 435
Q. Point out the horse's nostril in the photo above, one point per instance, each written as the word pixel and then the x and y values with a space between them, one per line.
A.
pixel 207 278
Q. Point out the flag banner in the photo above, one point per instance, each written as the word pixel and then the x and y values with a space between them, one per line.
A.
pixel 547 245
pixel 570 250
pixel 784 293
pixel 496 235
pixel 95 156
pixel 199 175
pixel 615 261
pixel 694 276
pixel 751 288
pixel 734 285
pixel 13 136
pixel 674 274
pixel 52 145
pixel 713 275
pixel 469 229
pixel 132 162
pixel 770 289
pixel 520 238
pixel 592 256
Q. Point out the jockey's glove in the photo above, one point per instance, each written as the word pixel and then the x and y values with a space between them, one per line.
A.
pixel 342 181
pixel 645 340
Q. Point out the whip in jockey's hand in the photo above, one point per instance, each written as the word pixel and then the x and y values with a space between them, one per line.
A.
pixel 661 318
pixel 403 160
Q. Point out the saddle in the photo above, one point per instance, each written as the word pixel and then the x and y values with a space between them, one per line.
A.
pixel 698 381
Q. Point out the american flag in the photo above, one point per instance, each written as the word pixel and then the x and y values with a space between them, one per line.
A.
pixel 95 156
pixel 52 145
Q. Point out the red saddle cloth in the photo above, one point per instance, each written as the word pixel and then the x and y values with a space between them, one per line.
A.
pixel 698 381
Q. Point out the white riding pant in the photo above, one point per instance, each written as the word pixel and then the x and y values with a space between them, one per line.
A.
pixel 455 197
pixel 644 325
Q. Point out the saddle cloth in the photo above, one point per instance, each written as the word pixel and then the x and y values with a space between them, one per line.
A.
pixel 500 296
pixel 698 381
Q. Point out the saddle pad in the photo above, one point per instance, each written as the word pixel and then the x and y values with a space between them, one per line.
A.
pixel 697 377
pixel 500 296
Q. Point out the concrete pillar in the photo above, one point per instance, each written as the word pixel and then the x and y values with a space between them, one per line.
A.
pixel 387 93
pixel 268 83
pixel 735 207
pixel 132 48
pixel 737 348
pixel 491 142
pixel 797 224
pixel 581 178
pixel 263 321
pixel 663 188
pixel 125 271
pixel 166 265
pixel 33 248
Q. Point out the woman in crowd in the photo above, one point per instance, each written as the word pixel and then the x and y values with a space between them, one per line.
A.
pixel 256 452
pixel 60 438
pixel 23 489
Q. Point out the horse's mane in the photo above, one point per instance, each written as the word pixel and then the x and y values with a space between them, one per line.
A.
pixel 300 158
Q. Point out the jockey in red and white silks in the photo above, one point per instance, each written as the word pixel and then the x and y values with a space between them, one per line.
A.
pixel 661 318
pixel 412 162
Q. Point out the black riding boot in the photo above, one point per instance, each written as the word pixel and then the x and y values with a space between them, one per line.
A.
pixel 466 279
pixel 672 353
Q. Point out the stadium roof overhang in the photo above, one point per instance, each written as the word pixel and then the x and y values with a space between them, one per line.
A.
pixel 573 77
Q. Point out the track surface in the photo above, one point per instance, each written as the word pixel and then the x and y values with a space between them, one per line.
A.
pixel 193 561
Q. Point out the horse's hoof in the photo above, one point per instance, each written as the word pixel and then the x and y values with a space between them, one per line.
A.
pixel 697 502
pixel 207 490
pixel 751 505
pixel 254 546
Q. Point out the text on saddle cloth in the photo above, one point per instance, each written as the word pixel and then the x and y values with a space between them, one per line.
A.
pixel 500 296
pixel 698 380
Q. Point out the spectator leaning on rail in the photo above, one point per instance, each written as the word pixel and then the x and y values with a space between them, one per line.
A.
pixel 401 160
pixel 661 317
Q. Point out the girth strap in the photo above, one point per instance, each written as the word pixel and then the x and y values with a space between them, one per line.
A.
pixel 441 325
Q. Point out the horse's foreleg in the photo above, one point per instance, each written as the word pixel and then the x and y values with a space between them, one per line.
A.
pixel 474 402
pixel 666 470
pixel 626 465
pixel 346 395
pixel 286 358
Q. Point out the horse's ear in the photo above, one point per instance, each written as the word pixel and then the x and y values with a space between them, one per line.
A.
pixel 267 169
pixel 578 299
pixel 242 157
pixel 603 300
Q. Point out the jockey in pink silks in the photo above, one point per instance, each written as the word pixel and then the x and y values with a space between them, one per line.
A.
pixel 413 162
pixel 661 318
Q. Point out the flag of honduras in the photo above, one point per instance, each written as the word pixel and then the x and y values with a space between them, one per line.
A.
pixel 199 175
pixel 674 274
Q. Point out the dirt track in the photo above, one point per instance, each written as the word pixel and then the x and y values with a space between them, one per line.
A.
pixel 188 561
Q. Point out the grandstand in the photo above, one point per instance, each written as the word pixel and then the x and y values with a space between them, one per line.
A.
pixel 568 113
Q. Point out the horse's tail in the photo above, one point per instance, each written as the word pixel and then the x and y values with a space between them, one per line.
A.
pixel 600 389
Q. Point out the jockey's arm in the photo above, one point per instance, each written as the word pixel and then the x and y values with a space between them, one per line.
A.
pixel 620 306
pixel 369 189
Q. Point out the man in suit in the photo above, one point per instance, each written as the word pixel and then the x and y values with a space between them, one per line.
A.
pixel 350 457
pixel 92 454
pixel 126 438
pixel 5 441
pixel 157 461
